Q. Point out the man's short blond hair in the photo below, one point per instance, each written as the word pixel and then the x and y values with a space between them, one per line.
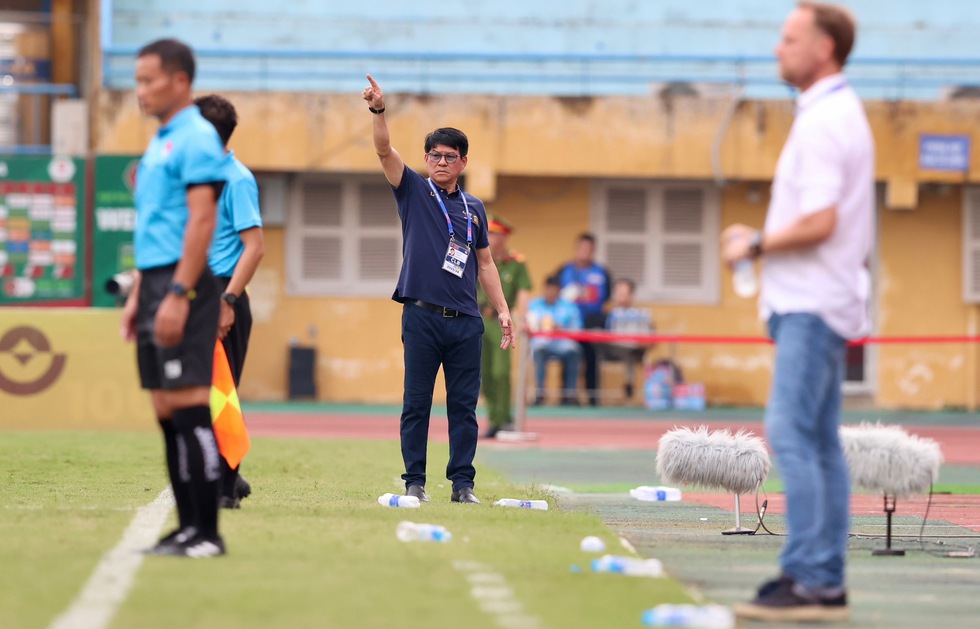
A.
pixel 838 23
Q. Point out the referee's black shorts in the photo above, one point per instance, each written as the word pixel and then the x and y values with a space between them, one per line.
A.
pixel 190 363
pixel 236 341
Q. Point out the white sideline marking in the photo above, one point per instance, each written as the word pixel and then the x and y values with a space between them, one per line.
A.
pixel 78 508
pixel 625 543
pixel 490 590
pixel 109 584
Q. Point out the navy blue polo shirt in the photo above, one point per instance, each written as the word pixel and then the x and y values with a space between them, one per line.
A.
pixel 184 152
pixel 238 210
pixel 425 239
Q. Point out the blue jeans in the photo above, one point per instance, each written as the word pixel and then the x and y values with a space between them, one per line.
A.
pixel 431 340
pixel 567 351
pixel 802 422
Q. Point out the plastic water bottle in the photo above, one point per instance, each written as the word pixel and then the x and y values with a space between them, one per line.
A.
pixel 656 494
pixel 707 616
pixel 744 280
pixel 412 532
pixel 592 544
pixel 540 505
pixel 394 500
pixel 630 566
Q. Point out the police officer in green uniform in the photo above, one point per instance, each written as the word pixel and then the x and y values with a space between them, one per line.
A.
pixel 516 283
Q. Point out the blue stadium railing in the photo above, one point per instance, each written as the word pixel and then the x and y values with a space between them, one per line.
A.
pixel 556 74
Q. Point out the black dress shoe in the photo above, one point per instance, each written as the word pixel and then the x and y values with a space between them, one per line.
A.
pixel 418 491
pixel 465 494
pixel 491 432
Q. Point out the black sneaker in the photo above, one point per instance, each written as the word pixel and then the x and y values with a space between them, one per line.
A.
pixel 242 488
pixel 838 599
pixel 783 600
pixel 201 547
pixel 168 543
pixel 770 586
pixel 491 432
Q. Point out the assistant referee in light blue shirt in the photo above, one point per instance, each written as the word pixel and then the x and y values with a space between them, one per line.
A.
pixel 234 256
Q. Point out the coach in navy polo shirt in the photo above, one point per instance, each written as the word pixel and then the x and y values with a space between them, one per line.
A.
pixel 445 251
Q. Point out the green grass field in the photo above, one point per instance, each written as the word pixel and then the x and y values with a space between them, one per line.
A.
pixel 310 548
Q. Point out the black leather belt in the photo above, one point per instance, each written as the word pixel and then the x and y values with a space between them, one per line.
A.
pixel 448 313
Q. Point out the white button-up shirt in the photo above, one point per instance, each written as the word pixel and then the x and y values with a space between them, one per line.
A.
pixel 827 161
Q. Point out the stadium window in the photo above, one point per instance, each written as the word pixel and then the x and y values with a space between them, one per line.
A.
pixel 343 237
pixel 663 236
pixel 971 245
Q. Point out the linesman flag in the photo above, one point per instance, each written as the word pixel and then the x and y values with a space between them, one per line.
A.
pixel 226 411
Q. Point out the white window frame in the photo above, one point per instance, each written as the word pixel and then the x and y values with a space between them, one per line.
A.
pixel 651 288
pixel 350 232
pixel 971 246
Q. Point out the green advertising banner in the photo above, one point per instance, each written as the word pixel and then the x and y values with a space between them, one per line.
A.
pixel 42 230
pixel 115 219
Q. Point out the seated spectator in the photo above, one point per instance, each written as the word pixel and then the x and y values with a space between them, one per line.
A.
pixel 625 318
pixel 585 283
pixel 546 314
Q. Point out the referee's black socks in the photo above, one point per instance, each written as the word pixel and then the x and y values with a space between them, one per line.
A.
pixel 180 481
pixel 203 463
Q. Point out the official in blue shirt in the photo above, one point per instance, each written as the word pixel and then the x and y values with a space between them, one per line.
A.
pixel 586 283
pixel 235 253
pixel 441 322
pixel 172 309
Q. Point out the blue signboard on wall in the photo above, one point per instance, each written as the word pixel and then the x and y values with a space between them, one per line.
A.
pixel 950 153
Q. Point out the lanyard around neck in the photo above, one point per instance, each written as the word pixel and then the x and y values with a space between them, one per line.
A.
pixel 445 212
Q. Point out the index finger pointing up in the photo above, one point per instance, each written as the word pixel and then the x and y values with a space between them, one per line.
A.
pixel 372 81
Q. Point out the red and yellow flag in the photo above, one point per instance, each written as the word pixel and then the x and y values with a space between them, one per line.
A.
pixel 226 411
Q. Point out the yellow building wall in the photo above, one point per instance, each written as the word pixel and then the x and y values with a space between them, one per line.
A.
pixel 919 294
pixel 531 160
pixel 358 342
pixel 543 136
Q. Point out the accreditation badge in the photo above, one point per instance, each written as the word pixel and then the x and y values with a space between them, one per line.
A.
pixel 456 256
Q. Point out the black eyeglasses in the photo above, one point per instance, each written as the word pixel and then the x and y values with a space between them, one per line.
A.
pixel 437 157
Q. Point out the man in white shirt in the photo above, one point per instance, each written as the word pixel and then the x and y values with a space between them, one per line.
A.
pixel 817 238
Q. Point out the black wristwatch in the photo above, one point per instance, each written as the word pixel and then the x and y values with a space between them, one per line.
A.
pixel 229 298
pixel 180 290
pixel 755 245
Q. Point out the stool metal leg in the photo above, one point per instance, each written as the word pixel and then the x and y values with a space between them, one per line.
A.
pixel 739 529
pixel 888 551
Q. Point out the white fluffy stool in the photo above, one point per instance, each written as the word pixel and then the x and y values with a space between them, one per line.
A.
pixel 738 463
pixel 888 459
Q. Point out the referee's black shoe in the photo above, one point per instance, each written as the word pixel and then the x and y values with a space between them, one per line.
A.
pixel 201 547
pixel 168 543
pixel 197 547
pixel 242 488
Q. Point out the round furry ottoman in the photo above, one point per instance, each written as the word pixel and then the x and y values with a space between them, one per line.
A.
pixel 736 462
pixel 888 459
